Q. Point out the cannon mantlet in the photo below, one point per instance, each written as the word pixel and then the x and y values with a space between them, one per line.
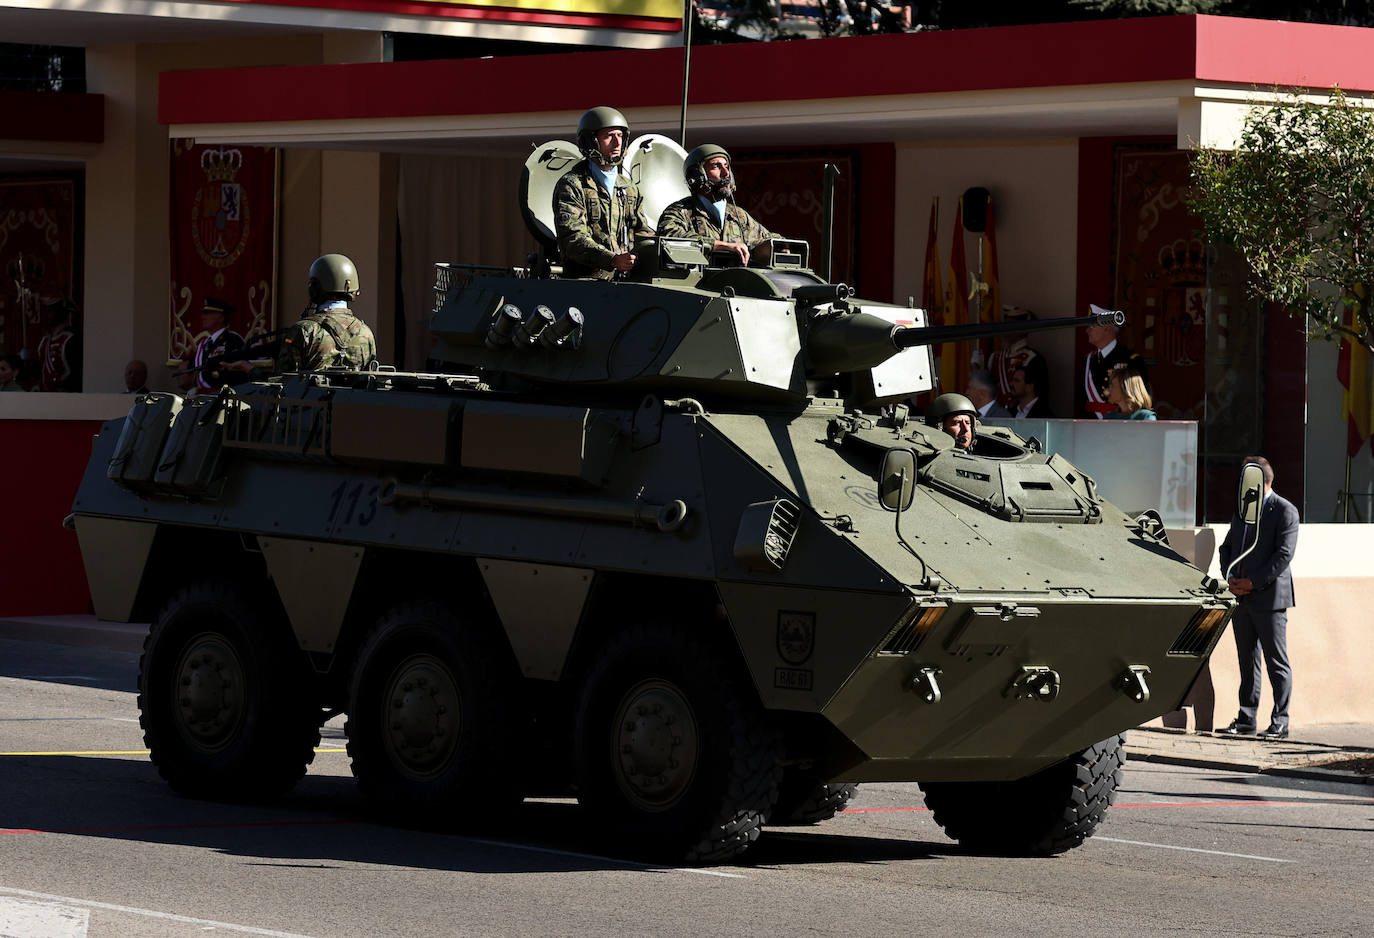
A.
pixel 748 334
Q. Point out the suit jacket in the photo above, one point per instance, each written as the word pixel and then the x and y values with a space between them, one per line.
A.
pixel 1267 564
pixel 1040 410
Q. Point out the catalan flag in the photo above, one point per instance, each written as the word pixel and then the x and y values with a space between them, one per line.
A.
pixel 955 358
pixel 1353 368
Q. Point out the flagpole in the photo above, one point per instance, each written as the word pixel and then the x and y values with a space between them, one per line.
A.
pixel 1345 491
pixel 686 69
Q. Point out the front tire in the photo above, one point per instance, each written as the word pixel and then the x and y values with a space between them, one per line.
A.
pixel 1052 811
pixel 675 757
pixel 223 697
pixel 431 728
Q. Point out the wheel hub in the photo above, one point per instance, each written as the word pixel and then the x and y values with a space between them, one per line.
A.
pixel 421 717
pixel 656 744
pixel 209 688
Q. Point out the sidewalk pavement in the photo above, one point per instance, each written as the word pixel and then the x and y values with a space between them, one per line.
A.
pixel 1342 752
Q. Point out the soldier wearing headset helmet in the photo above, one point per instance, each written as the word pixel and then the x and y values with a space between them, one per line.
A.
pixel 709 215
pixel 956 415
pixel 597 209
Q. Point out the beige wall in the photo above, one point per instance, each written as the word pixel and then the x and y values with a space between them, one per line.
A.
pixel 1034 185
pixel 1329 636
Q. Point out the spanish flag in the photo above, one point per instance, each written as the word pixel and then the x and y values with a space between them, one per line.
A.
pixel 932 293
pixel 955 358
pixel 1353 368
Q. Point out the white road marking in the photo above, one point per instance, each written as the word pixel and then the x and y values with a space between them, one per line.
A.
pixel 28 918
pixel 1219 853
pixel 592 856
pixel 130 910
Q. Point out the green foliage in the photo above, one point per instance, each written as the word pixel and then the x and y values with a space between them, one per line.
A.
pixel 1125 8
pixel 1296 198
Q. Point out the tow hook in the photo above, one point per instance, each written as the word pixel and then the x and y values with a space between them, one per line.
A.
pixel 1035 682
pixel 925 684
pixel 1132 682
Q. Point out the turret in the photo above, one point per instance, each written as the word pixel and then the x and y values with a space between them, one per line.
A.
pixel 742 334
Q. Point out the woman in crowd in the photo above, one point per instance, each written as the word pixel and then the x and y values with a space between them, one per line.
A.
pixel 1127 391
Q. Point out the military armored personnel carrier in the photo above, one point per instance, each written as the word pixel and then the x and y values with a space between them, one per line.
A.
pixel 625 550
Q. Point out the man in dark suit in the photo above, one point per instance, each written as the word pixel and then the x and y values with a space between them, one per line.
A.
pixel 1028 385
pixel 1263 585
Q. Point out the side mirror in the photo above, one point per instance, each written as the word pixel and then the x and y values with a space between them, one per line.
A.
pixel 1250 494
pixel 897 479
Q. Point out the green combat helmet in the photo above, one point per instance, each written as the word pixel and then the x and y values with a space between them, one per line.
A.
pixel 691 167
pixel 333 273
pixel 947 405
pixel 599 118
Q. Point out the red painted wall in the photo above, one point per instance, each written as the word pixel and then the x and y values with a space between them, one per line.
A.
pixel 41 571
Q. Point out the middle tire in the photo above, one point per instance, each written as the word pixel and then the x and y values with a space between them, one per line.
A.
pixel 431 716
pixel 675 756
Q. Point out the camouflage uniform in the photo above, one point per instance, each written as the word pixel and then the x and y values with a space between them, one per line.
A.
pixel 593 227
pixel 327 338
pixel 688 218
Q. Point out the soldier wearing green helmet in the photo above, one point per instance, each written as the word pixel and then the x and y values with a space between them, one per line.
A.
pixel 956 415
pixel 709 215
pixel 329 335
pixel 598 213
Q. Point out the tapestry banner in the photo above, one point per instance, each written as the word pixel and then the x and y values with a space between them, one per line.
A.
pixel 224 240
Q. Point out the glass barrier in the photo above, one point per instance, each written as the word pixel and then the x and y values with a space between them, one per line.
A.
pixel 1137 464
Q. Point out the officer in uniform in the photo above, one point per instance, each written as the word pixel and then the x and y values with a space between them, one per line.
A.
pixel 1108 353
pixel 598 211
pixel 709 215
pixel 329 335
pixel 220 342
pixel 956 415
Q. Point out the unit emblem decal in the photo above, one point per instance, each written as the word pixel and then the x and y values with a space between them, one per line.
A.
pixel 796 635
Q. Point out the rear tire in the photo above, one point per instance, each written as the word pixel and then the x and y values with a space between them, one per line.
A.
pixel 803 800
pixel 223 697
pixel 431 717
pixel 676 759
pixel 1052 811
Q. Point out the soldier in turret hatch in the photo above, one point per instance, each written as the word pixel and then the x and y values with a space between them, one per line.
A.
pixel 709 215
pixel 956 415
pixel 597 210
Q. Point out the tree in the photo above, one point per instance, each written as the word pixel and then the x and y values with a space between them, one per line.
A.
pixel 1296 198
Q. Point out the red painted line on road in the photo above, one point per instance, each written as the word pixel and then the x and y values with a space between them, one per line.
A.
pixel 1163 804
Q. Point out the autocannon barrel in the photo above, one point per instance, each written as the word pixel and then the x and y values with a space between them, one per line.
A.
pixel 852 342
pixel 911 336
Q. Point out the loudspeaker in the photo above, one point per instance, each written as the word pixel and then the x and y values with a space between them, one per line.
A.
pixel 976 209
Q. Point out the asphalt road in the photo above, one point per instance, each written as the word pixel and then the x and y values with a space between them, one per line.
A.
pixel 92 843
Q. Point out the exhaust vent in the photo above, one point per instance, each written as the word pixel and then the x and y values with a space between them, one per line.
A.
pixel 1197 639
pixel 911 629
pixel 765 535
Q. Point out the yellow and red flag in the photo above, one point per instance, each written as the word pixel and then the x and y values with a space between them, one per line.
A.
pixel 932 293
pixel 954 360
pixel 1353 368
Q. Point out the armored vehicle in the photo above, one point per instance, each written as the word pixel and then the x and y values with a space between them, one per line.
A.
pixel 668 544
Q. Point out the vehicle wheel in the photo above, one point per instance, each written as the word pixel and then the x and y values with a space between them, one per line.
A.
pixel 223 697
pixel 431 721
pixel 675 757
pixel 1052 811
pixel 803 800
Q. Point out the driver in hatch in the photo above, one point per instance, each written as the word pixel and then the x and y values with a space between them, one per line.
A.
pixel 956 415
